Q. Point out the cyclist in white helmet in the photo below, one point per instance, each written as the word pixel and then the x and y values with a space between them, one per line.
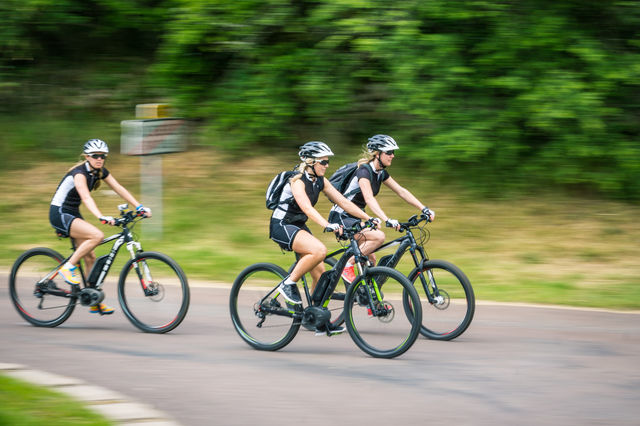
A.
pixel 362 190
pixel 64 212
pixel 288 222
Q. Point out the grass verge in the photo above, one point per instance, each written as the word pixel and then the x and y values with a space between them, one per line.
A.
pixel 544 248
pixel 24 404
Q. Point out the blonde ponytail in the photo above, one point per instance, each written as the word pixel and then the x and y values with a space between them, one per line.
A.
pixel 301 168
pixel 367 156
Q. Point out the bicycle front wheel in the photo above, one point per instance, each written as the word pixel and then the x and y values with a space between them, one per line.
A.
pixel 153 292
pixel 259 313
pixel 448 309
pixel 42 302
pixel 381 324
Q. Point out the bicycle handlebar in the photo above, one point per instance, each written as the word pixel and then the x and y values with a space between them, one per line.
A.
pixel 349 233
pixel 128 217
pixel 414 221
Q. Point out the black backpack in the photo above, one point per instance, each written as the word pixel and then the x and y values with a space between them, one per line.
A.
pixel 274 190
pixel 340 178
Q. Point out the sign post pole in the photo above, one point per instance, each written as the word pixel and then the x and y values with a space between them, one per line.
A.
pixel 151 190
pixel 151 134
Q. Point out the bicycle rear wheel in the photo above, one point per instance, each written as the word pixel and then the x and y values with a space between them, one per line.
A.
pixel 452 305
pixel 259 313
pixel 157 302
pixel 380 324
pixel 43 303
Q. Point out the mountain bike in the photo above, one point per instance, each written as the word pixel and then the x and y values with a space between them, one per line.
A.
pixel 381 327
pixel 448 301
pixel 152 288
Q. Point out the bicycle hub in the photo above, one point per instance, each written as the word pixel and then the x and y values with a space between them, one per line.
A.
pixel 91 296
pixel 315 316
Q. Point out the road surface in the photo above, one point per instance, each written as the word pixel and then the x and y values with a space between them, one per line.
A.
pixel 515 365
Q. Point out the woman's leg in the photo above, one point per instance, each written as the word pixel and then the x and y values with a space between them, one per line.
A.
pixel 312 252
pixel 87 238
pixel 373 238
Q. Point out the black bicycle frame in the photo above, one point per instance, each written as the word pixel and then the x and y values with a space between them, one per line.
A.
pixel 352 250
pixel 121 238
pixel 405 242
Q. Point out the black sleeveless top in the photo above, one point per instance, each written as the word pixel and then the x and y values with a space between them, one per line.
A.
pixel 288 210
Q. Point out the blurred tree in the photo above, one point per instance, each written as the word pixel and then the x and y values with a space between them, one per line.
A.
pixel 497 93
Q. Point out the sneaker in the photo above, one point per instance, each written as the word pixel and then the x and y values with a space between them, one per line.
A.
pixel 70 274
pixel 330 330
pixel 349 274
pixel 102 309
pixel 290 293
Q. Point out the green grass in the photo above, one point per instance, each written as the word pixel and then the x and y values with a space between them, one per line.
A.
pixel 23 404
pixel 544 248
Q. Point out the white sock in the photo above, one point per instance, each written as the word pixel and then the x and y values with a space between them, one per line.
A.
pixel 69 265
pixel 289 281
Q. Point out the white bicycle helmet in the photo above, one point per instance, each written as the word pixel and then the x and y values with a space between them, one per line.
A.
pixel 95 145
pixel 383 143
pixel 314 149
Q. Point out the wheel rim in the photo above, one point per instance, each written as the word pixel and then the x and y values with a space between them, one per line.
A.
pixel 251 317
pixel 31 299
pixel 162 305
pixel 450 313
pixel 388 332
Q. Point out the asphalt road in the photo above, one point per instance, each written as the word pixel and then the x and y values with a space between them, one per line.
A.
pixel 514 365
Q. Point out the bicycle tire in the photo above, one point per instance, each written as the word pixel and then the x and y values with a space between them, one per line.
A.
pixel 47 310
pixel 164 306
pixel 392 333
pixel 452 314
pixel 262 331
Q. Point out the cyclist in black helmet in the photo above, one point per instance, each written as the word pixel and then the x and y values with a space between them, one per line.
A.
pixel 64 212
pixel 288 222
pixel 362 190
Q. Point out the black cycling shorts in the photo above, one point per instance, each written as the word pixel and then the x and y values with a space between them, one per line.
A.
pixel 61 220
pixel 284 233
pixel 343 219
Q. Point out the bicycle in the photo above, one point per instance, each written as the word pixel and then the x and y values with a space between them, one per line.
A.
pixel 448 305
pixel 44 299
pixel 381 329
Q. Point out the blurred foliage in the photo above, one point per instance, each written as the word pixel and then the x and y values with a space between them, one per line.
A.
pixel 500 94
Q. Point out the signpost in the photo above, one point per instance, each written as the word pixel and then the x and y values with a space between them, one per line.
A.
pixel 152 134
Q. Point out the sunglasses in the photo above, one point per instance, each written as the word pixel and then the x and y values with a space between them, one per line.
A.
pixel 323 162
pixel 389 152
pixel 98 156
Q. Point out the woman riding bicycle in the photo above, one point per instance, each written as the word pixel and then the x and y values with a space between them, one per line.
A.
pixel 64 212
pixel 362 190
pixel 288 222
